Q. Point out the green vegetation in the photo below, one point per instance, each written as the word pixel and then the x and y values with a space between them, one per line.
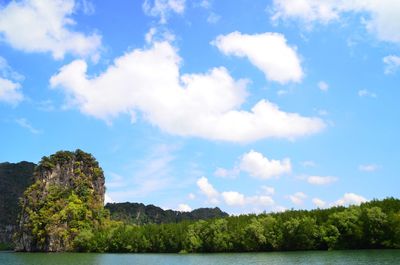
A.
pixel 375 224
pixel 140 214
pixel 63 211
pixel 66 198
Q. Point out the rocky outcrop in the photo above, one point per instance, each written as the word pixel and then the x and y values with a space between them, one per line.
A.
pixel 14 179
pixel 66 197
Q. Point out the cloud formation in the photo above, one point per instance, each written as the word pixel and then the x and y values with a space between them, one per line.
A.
pixel 10 87
pixel 381 20
pixel 297 198
pixel 45 26
pixel 319 180
pixel 163 8
pixel 259 166
pixel 392 63
pixel 207 189
pixel 350 199
pixel 267 51
pixel 206 105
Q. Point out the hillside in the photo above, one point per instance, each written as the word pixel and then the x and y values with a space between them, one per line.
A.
pixel 14 179
pixel 138 213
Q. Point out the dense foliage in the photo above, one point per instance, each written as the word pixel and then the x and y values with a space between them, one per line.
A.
pixel 66 198
pixel 375 224
pixel 140 214
pixel 14 179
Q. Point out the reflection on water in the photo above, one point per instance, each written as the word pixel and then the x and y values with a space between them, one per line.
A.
pixel 381 257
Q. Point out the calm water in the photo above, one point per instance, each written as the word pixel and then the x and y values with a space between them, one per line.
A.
pixel 381 257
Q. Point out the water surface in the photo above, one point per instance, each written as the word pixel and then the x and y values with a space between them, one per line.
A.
pixel 358 257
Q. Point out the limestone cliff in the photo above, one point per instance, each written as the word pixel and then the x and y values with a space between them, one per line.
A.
pixel 66 197
pixel 14 179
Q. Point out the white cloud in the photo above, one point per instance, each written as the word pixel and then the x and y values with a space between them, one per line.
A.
pixel 45 26
pixel 184 208
pixel 318 180
pixel 234 198
pixel 10 88
pixel 319 203
pixel 108 199
pixel 258 166
pixel 368 167
pixel 191 196
pixel 10 92
pixel 267 51
pixel 323 86
pixel 381 20
pixel 202 105
pixel 268 190
pixel 366 93
pixel 298 198
pixel 24 123
pixel 392 63
pixel 207 189
pixel 163 8
pixel 350 199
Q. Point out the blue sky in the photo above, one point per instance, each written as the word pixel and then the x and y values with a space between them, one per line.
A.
pixel 251 107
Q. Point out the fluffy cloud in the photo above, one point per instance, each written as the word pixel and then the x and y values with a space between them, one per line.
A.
pixel 202 105
pixel 10 88
pixel 319 203
pixel 234 198
pixel 368 167
pixel 10 92
pixel 298 198
pixel 392 63
pixel 382 16
pixel 184 208
pixel 207 189
pixel 162 8
pixel 44 26
pixel 267 51
pixel 318 180
pixel 349 199
pixel 258 166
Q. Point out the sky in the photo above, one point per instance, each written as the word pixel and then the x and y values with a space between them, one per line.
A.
pixel 249 106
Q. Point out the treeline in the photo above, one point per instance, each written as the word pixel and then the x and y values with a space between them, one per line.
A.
pixel 375 224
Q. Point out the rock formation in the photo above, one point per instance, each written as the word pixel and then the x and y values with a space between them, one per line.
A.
pixel 66 197
pixel 14 179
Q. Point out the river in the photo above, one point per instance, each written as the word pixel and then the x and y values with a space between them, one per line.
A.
pixel 358 257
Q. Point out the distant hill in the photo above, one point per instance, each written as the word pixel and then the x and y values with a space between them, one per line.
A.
pixel 14 179
pixel 138 213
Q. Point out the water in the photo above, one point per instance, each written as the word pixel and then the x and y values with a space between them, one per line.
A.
pixel 381 257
